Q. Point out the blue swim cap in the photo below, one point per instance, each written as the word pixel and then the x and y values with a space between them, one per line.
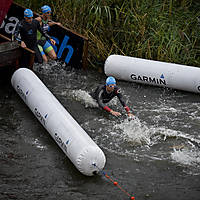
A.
pixel 45 9
pixel 110 80
pixel 28 13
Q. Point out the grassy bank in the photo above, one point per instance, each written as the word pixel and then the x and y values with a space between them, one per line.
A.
pixel 164 30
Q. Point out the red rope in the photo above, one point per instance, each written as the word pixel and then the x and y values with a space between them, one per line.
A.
pixel 114 182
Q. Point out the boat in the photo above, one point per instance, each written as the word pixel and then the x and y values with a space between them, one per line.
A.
pixel 11 53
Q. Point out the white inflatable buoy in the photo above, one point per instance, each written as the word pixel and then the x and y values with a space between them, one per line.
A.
pixel 71 138
pixel 155 73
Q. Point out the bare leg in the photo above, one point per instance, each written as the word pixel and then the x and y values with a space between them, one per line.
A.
pixel 44 57
pixel 52 54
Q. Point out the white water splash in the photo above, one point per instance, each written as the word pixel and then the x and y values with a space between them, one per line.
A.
pixel 84 97
pixel 189 157
pixel 134 131
pixel 137 133
pixel 35 142
pixel 168 133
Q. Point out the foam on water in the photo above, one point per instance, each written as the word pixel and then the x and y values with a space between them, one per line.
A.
pixel 38 144
pixel 35 142
pixel 174 145
pixel 134 131
pixel 186 156
pixel 84 98
pixel 139 133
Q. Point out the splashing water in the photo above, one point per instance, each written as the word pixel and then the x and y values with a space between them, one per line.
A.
pixel 134 131
pixel 84 97
pixel 137 133
pixel 186 156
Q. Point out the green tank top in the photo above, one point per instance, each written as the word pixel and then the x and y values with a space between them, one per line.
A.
pixel 45 28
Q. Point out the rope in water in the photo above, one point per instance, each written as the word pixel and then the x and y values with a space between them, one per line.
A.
pixel 114 182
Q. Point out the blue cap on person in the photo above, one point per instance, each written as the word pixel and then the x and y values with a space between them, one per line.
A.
pixel 28 13
pixel 45 9
pixel 110 80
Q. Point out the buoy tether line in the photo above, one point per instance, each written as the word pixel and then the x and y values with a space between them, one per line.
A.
pixel 114 182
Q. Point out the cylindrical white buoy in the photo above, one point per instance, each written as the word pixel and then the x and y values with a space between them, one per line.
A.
pixel 72 139
pixel 151 72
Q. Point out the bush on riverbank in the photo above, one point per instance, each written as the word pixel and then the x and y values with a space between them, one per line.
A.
pixel 164 30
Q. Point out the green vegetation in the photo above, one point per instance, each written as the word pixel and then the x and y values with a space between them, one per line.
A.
pixel 164 30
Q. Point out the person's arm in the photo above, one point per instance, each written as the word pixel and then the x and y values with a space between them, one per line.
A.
pixel 45 34
pixel 51 23
pixel 17 32
pixel 102 105
pixel 100 100
pixel 48 37
pixel 119 95
pixel 39 19
pixel 42 32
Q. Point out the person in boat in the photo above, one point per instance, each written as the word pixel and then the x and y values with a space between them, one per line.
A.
pixel 45 22
pixel 27 30
pixel 105 93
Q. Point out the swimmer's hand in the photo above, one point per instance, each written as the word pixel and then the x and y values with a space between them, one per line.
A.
pixel 53 41
pixel 115 113
pixel 130 117
pixel 23 45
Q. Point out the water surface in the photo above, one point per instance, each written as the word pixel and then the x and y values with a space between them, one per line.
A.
pixel 156 156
